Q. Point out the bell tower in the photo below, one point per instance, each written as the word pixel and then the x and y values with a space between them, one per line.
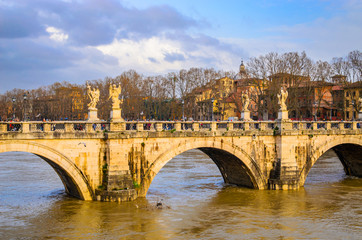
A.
pixel 242 71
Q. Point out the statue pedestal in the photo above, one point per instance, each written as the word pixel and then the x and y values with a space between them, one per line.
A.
pixel 283 115
pixel 116 115
pixel 245 116
pixel 92 115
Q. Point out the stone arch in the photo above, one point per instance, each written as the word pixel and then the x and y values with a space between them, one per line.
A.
pixel 348 150
pixel 74 181
pixel 213 149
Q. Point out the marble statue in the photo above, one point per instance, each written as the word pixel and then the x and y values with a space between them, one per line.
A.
pixel 93 95
pixel 114 92
pixel 282 98
pixel 245 100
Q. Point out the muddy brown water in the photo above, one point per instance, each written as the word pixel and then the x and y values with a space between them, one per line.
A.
pixel 196 204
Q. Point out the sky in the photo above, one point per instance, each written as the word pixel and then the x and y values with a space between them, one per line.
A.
pixel 48 41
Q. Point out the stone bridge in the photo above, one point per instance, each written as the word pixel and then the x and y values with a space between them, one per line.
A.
pixel 117 161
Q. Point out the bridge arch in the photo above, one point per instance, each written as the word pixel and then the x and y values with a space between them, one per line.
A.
pixel 348 150
pixel 74 181
pixel 235 165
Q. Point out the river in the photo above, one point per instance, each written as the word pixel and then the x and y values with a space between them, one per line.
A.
pixel 196 204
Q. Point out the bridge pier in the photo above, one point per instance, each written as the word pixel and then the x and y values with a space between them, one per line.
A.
pixel 119 188
pixel 286 174
pixel 117 183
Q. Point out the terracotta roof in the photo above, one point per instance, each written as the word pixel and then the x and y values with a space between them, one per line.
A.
pixel 339 76
pixel 278 75
pixel 337 88
pixel 355 85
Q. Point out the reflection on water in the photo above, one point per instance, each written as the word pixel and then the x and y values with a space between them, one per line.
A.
pixel 197 204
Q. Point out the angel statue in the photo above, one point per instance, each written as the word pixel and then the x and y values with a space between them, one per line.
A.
pixel 282 97
pixel 245 100
pixel 93 94
pixel 114 93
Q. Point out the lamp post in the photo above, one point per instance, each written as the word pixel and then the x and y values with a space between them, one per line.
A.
pixel 183 110
pixel 25 113
pixel 14 99
pixel 212 109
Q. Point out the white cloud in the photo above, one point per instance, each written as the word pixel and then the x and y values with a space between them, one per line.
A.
pixel 149 55
pixel 146 54
pixel 57 34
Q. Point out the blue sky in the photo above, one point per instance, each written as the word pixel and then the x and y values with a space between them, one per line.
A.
pixel 42 41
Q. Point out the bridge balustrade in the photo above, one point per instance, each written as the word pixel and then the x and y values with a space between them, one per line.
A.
pixel 83 126
pixel 238 126
pixel 14 127
pixel 347 125
pixel 168 126
pixel 60 127
pixel 222 126
pixel 186 126
pixel 321 125
pixel 100 127
pixel 271 125
pixel 131 126
pixel 148 126
pixel 334 125
pixel 36 127
pixel 205 126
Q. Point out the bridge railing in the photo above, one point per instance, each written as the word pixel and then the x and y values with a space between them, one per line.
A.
pixel 56 126
pixel 327 125
pixel 84 126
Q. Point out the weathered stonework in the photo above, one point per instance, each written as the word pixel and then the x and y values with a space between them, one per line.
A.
pixel 92 115
pixel 117 162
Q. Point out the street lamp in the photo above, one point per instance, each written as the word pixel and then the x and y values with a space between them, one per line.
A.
pixel 25 98
pixel 14 99
pixel 212 109
pixel 183 110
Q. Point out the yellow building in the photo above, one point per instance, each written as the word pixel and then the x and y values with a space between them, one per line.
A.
pixel 211 100
pixel 221 99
